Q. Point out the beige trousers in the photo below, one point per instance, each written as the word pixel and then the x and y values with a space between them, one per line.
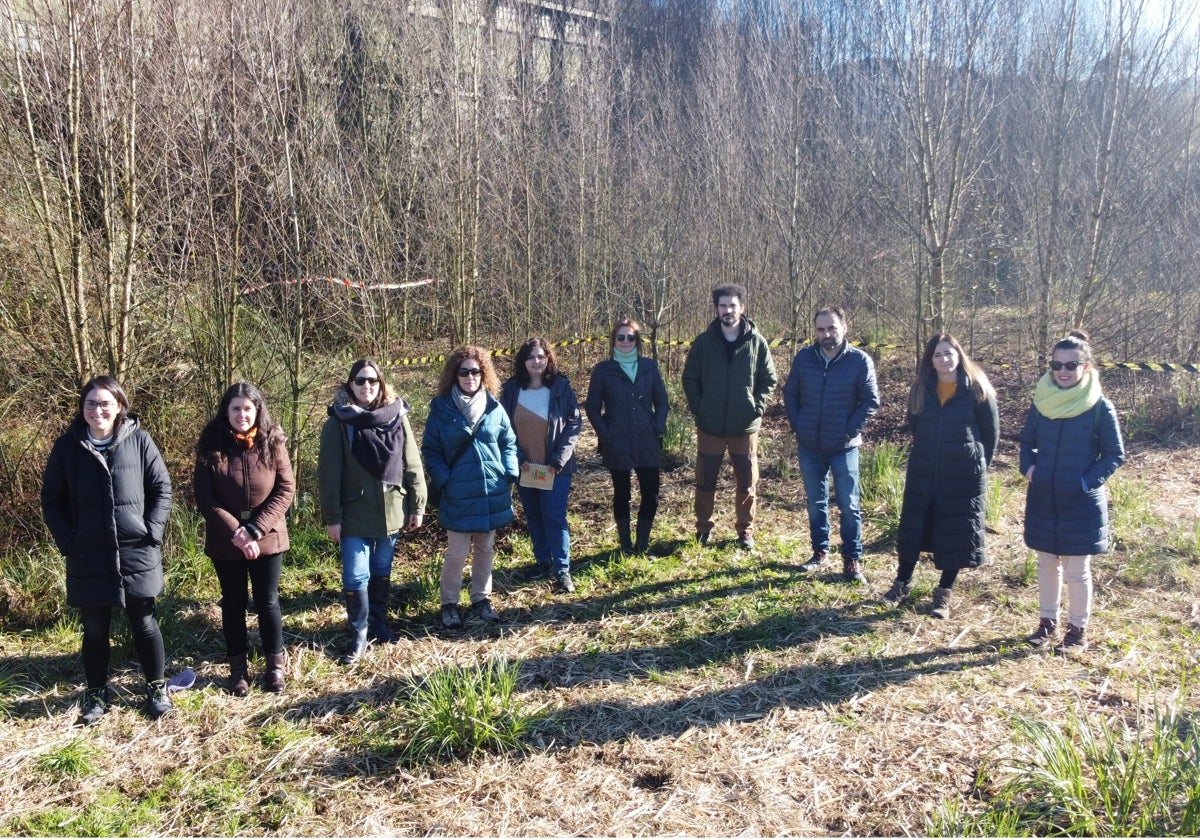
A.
pixel 458 546
pixel 1078 569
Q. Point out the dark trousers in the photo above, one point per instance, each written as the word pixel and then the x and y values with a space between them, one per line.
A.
pixel 263 576
pixel 649 480
pixel 97 646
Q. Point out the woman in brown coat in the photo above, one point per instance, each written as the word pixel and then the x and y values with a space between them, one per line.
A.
pixel 244 486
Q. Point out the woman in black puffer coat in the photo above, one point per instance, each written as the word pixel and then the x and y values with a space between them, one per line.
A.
pixel 627 406
pixel 956 427
pixel 106 496
pixel 1070 446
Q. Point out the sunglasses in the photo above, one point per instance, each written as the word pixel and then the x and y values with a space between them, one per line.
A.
pixel 470 372
pixel 1067 365
pixel 626 337
pixel 366 380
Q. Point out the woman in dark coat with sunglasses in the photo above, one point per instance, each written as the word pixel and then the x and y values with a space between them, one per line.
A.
pixel 627 406
pixel 1070 446
pixel 470 450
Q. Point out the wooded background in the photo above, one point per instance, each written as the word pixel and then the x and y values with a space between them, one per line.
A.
pixel 541 167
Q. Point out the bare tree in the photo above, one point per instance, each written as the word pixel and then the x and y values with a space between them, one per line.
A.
pixel 77 94
pixel 931 58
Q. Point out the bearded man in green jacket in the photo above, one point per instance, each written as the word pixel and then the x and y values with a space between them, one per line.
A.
pixel 728 380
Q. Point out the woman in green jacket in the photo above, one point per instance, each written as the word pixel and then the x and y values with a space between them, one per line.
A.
pixel 372 485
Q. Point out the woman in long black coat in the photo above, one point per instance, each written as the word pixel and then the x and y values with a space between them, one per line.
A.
pixel 106 496
pixel 956 427
pixel 627 406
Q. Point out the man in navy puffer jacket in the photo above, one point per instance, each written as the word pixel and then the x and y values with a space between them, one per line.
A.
pixel 830 395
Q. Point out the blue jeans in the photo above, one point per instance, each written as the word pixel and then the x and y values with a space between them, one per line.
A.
pixel 364 558
pixel 815 467
pixel 546 513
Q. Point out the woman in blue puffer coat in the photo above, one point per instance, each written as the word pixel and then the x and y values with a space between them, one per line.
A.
pixel 470 452
pixel 1070 446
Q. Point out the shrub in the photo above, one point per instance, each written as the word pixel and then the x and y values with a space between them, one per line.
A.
pixel 32 586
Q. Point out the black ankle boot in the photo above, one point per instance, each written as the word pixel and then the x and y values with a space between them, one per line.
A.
pixel 273 676
pixel 644 526
pixel 239 676
pixel 624 537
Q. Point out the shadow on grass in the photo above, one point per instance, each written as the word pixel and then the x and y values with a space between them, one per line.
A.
pixel 803 686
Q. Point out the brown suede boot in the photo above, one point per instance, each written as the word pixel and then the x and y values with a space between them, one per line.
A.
pixel 273 676
pixel 239 677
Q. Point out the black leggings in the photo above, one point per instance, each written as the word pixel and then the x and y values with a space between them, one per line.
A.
pixel 649 479
pixel 147 640
pixel 905 573
pixel 263 574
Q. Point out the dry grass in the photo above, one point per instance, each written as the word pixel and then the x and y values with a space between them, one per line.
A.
pixel 710 693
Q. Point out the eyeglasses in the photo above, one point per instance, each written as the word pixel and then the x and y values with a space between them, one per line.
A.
pixel 366 380
pixel 470 372
pixel 626 337
pixel 1067 365
pixel 103 405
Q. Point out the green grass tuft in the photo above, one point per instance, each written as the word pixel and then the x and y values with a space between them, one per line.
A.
pixel 75 758
pixel 1112 778
pixel 881 485
pixel 459 712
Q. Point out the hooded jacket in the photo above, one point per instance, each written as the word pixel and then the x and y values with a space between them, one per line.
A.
pixel 107 512
pixel 728 384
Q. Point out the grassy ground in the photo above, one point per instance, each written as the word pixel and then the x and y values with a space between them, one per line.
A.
pixel 702 691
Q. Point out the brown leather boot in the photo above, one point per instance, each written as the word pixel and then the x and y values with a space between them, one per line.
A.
pixel 239 677
pixel 273 676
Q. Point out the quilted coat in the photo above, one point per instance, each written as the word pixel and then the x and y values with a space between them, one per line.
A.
pixel 945 485
pixel 107 512
pixel 1066 505
pixel 476 492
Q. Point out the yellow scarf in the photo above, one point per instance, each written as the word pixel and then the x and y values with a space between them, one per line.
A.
pixel 1057 403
